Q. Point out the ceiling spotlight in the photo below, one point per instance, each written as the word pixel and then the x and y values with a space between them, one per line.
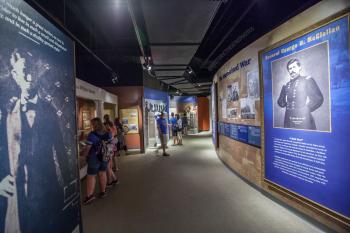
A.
pixel 114 78
pixel 149 67
pixel 189 70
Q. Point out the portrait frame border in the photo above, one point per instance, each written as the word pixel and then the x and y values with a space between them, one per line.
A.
pixel 276 188
pixel 329 91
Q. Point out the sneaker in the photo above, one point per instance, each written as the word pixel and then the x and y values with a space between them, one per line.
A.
pixel 102 195
pixel 110 185
pixel 166 154
pixel 89 199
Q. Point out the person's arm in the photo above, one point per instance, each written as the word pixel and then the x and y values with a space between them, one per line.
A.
pixel 89 143
pixel 282 99
pixel 86 150
pixel 314 93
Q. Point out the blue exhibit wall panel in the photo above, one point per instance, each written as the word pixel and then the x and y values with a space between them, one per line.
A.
pixel 37 118
pixel 243 133
pixel 227 129
pixel 154 94
pixel 254 135
pixel 307 130
pixel 185 99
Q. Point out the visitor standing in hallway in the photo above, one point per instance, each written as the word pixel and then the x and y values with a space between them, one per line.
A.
pixel 95 164
pixel 173 121
pixel 179 129
pixel 162 127
pixel 184 124
pixel 112 177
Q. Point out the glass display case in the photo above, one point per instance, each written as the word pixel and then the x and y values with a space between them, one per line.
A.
pixel 86 110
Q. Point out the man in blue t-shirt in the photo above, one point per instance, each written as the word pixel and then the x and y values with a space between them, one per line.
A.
pixel 162 126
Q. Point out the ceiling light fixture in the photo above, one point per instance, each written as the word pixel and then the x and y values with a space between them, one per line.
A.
pixel 114 78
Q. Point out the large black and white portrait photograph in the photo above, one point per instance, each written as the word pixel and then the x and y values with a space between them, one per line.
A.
pixel 253 84
pixel 39 183
pixel 300 86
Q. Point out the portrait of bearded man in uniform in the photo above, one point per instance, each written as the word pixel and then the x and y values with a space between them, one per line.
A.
pixel 300 97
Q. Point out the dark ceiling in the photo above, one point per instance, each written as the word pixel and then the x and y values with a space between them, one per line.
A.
pixel 184 41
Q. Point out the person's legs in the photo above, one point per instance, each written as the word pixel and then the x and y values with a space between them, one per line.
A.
pixel 90 185
pixel 102 176
pixel 174 140
pixel 90 188
pixel 110 173
pixel 164 144
pixel 179 135
pixel 91 180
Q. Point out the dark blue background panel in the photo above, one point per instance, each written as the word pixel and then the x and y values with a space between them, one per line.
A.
pixel 310 160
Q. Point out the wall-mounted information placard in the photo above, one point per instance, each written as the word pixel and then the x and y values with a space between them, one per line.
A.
pixel 130 120
pixel 243 133
pixel 254 136
pixel 306 115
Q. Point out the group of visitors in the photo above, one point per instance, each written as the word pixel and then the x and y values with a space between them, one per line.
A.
pixel 102 146
pixel 178 128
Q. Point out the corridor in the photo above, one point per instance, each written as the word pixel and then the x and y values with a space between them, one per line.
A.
pixel 190 191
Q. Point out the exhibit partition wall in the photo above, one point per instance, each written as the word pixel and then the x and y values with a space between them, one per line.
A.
pixel 288 93
pixel 155 102
pixel 40 189
pixel 130 114
pixel 203 114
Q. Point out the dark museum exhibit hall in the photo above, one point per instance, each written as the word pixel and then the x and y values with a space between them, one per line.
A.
pixel 174 116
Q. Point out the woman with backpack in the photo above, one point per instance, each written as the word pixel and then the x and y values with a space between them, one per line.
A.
pixel 120 135
pixel 112 177
pixel 95 159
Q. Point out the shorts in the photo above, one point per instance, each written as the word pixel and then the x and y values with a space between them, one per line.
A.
pixel 163 139
pixel 174 132
pixel 95 165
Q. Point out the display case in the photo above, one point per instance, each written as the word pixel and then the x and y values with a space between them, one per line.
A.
pixel 86 110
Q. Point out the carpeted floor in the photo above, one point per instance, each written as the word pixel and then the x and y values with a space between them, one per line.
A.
pixel 190 191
